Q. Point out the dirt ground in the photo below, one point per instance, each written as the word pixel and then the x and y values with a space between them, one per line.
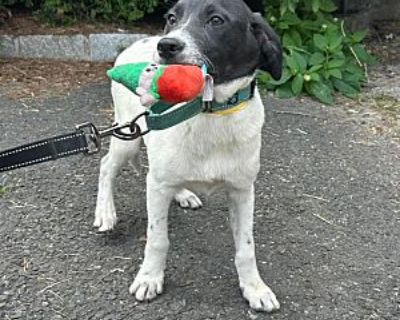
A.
pixel 25 79
pixel 26 24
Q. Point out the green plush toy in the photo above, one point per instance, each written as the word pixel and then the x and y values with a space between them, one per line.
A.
pixel 153 82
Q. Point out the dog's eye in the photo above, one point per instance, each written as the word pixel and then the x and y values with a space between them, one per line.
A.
pixel 171 19
pixel 216 21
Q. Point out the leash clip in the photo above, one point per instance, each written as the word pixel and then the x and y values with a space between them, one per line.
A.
pixel 94 136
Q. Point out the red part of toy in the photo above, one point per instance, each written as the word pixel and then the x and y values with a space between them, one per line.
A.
pixel 180 83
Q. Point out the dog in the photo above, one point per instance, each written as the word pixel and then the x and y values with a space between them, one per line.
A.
pixel 204 153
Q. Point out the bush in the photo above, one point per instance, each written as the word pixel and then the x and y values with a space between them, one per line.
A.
pixel 12 3
pixel 66 11
pixel 319 56
pixel 106 10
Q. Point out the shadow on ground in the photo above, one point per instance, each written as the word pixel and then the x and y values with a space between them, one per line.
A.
pixel 327 225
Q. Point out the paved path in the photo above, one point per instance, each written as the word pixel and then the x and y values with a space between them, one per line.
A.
pixel 327 226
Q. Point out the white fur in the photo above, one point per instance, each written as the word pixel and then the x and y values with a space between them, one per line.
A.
pixel 202 154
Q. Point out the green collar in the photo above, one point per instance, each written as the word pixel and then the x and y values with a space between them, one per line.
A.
pixel 159 117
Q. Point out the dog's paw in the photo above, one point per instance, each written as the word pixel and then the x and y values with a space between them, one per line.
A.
pixel 260 297
pixel 146 287
pixel 105 217
pixel 187 199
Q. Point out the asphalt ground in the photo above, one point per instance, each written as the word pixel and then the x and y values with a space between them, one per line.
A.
pixel 327 224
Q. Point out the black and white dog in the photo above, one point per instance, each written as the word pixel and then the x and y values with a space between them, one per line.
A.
pixel 206 152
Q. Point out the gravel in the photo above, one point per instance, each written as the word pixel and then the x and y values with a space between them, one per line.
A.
pixel 327 225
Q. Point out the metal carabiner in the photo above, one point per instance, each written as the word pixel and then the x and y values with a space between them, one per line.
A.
pixel 134 128
pixel 94 135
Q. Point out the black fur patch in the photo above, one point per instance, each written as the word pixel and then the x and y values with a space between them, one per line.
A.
pixel 235 40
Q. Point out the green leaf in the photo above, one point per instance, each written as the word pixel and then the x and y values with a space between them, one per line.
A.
pixel 292 5
pixel 354 68
pixel 337 63
pixel 335 40
pixel 300 50
pixel 291 19
pixel 339 55
pixel 322 92
pixel 263 79
pixel 353 79
pixel 328 6
pixel 135 15
pixel 297 84
pixel 332 27
pixel 287 40
pixel 359 35
pixel 285 91
pixel 309 25
pixel 335 73
pixel 315 5
pixel 300 60
pixel 315 68
pixel 363 55
pixel 317 58
pixel 296 37
pixel 345 88
pixel 283 26
pixel 284 8
pixel 286 75
pixel 292 64
pixel 315 76
pixel 320 42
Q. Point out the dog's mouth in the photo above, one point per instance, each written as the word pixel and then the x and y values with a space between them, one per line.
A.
pixel 193 61
pixel 184 61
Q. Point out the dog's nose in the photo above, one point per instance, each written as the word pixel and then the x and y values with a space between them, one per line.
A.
pixel 169 47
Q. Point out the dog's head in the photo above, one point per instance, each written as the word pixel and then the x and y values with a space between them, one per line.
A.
pixel 225 35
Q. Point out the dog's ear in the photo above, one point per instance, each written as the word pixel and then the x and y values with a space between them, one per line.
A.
pixel 170 3
pixel 255 5
pixel 270 46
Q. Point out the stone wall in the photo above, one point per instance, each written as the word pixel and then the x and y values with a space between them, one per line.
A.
pixel 361 14
pixel 385 10
pixel 93 47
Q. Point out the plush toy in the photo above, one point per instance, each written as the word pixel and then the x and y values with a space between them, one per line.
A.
pixel 154 82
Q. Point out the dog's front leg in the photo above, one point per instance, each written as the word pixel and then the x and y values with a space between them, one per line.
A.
pixel 259 295
pixel 150 278
pixel 119 154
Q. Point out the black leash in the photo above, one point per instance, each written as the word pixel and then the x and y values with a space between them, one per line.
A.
pixel 85 139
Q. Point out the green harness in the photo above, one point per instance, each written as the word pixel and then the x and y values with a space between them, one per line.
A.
pixel 161 116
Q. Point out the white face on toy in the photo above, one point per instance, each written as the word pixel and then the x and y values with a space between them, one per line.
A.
pixel 147 76
pixel 145 81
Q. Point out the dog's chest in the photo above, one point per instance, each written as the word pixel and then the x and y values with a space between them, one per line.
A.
pixel 207 151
